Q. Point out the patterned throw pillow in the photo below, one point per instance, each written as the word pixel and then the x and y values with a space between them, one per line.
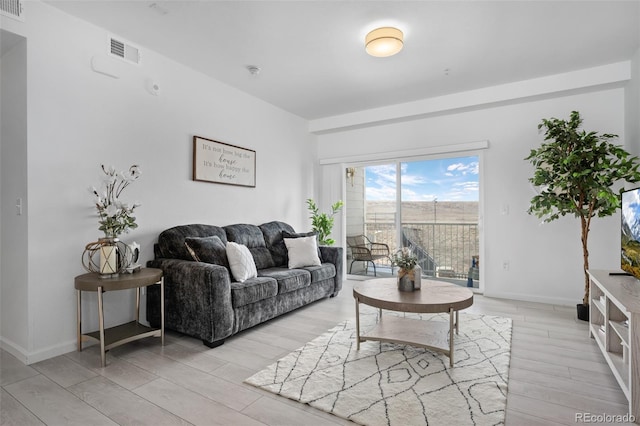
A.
pixel 207 249
pixel 241 262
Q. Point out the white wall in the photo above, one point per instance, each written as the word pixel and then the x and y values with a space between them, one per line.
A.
pixel 13 185
pixel 545 261
pixel 632 108
pixel 78 119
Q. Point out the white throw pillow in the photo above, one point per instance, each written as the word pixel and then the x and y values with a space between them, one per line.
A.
pixel 302 252
pixel 241 262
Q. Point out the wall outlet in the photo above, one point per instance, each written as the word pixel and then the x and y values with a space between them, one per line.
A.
pixel 505 265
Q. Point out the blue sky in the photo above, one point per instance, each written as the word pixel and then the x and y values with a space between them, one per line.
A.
pixel 447 179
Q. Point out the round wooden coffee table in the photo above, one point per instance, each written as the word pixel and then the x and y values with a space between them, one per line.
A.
pixel 433 297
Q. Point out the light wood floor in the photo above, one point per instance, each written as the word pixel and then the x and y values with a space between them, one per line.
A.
pixel 556 371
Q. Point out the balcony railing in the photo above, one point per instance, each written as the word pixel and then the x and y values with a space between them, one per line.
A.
pixel 445 250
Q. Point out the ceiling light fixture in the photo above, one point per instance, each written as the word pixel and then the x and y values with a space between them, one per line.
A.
pixel 383 42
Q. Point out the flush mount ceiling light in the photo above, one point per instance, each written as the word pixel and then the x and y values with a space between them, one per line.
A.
pixel 383 42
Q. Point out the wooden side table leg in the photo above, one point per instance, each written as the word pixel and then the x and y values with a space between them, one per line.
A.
pixel 103 355
pixel 79 319
pixel 137 304
pixel 162 310
pixel 451 326
pixel 457 321
pixel 357 324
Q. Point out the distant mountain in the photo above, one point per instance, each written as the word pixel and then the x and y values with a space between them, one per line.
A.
pixel 631 231
pixel 630 247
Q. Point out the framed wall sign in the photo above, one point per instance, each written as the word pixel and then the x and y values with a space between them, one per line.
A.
pixel 219 162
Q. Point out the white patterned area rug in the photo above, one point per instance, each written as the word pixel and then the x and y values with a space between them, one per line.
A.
pixel 392 384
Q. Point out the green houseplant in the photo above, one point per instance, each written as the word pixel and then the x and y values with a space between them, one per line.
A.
pixel 322 223
pixel 576 171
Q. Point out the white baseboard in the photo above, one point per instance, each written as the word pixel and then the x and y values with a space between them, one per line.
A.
pixel 532 298
pixel 27 357
pixel 16 350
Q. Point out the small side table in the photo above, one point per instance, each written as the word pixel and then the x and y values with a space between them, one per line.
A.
pixel 124 333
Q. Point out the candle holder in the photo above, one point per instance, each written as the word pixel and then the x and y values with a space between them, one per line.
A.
pixel 107 256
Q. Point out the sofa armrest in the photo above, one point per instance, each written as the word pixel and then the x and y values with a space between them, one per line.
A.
pixel 333 255
pixel 197 299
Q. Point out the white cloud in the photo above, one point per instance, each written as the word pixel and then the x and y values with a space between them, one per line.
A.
pixel 463 169
pixel 411 180
pixel 467 186
pixel 630 205
pixel 461 190
pixel 456 183
pixel 381 194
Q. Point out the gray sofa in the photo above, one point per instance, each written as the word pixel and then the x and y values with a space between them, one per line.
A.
pixel 203 300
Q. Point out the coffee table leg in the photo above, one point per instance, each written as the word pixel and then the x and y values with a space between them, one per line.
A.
pixel 451 336
pixel 357 324
pixel 457 321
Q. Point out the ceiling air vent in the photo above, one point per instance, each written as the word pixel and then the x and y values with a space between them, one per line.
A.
pixel 123 50
pixel 12 9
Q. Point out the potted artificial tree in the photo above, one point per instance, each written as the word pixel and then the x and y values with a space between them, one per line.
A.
pixel 576 171
pixel 322 223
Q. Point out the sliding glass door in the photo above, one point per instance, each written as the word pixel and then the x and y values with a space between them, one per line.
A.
pixel 439 213
pixel 431 206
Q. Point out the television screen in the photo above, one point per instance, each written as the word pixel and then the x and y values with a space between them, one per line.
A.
pixel 630 235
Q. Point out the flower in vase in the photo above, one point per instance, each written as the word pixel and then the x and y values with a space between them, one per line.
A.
pixel 405 259
pixel 116 217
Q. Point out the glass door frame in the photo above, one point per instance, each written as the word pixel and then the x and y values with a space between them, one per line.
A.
pixel 398 210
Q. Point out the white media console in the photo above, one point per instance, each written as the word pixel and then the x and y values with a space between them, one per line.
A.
pixel 614 323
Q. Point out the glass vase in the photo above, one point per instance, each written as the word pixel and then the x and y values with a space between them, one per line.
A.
pixel 405 280
pixel 417 277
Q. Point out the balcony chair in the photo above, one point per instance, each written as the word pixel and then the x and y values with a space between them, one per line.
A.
pixel 363 250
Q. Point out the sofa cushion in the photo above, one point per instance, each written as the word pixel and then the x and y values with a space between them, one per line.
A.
pixel 302 252
pixel 171 241
pixel 322 272
pixel 272 232
pixel 288 279
pixel 251 236
pixel 207 249
pixel 253 290
pixel 240 262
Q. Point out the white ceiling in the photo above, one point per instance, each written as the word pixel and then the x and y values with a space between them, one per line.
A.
pixel 312 56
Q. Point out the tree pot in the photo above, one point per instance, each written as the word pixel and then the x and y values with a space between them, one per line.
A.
pixel 583 311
